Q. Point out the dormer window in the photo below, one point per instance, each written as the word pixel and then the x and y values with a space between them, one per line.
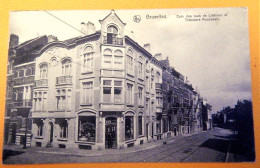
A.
pixel 112 32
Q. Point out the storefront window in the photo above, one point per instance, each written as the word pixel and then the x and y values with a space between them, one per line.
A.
pixel 129 127
pixel 87 128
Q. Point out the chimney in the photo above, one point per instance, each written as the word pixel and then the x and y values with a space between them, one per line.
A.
pixel 88 28
pixel 14 41
pixel 147 47
pixel 52 38
pixel 91 29
pixel 158 56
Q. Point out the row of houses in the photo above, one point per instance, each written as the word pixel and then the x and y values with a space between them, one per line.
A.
pixel 101 90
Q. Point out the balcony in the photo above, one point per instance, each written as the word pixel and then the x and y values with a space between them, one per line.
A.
pixel 41 83
pixel 158 86
pixel 113 40
pixel 23 104
pixel 24 80
pixel 63 80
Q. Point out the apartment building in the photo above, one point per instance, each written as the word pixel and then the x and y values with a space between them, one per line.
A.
pixel 101 90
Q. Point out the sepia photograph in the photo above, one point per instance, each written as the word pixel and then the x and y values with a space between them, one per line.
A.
pixel 129 86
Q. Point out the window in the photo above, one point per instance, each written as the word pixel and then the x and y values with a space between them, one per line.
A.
pixel 118 92
pixel 63 129
pixel 147 84
pixel 28 72
pixel 129 128
pixel 44 102
pixel 158 99
pixel 112 32
pixel 43 71
pixel 152 83
pixel 140 125
pixel 15 74
pixel 118 58
pixel 66 67
pixel 107 61
pixel 39 124
pixel 107 90
pixel 140 67
pixel 87 128
pixel 112 91
pixel 88 58
pixel 129 62
pixel 129 96
pixel 37 101
pixel 21 73
pixel 63 99
pixel 87 94
pixel 140 95
pixel 157 79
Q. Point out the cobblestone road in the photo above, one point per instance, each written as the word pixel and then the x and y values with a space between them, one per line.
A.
pixel 210 146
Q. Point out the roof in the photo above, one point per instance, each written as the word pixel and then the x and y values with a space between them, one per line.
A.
pixel 29 41
pixel 112 12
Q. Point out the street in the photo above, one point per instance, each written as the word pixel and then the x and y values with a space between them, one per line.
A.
pixel 211 146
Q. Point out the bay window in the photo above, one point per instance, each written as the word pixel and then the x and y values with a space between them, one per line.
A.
pixel 112 91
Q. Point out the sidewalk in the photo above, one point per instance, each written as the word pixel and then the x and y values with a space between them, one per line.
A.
pixel 82 152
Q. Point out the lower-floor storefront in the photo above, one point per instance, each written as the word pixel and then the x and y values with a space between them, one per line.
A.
pixel 96 130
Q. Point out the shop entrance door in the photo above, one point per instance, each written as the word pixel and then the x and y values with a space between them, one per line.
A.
pixel 110 133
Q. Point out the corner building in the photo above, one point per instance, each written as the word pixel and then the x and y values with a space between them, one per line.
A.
pixel 95 89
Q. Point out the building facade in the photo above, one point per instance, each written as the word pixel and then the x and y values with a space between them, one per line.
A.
pixel 102 90
pixel 97 91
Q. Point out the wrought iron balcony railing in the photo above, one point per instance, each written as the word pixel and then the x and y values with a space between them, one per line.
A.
pixel 113 40
pixel 22 103
pixel 63 80
pixel 24 80
pixel 41 83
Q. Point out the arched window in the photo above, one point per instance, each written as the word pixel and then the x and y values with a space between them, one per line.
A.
pixel 88 55
pixel 118 58
pixel 107 58
pixel 66 67
pixel 129 62
pixel 112 32
pixel 43 71
pixel 140 67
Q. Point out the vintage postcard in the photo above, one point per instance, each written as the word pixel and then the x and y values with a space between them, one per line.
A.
pixel 158 85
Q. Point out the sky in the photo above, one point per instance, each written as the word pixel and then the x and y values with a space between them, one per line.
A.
pixel 214 55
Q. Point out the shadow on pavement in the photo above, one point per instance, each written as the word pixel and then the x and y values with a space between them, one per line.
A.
pixel 8 153
pixel 220 145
